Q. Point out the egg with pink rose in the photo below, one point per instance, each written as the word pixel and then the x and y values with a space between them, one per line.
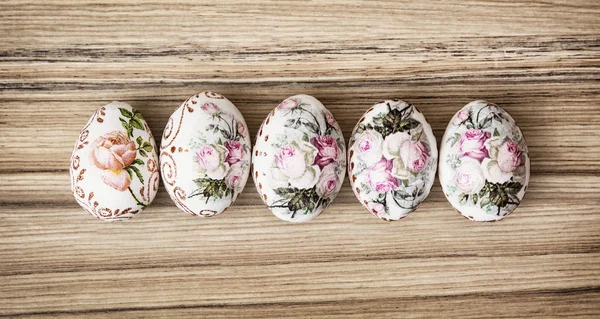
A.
pixel 392 159
pixel 299 159
pixel 484 162
pixel 114 165
pixel 205 154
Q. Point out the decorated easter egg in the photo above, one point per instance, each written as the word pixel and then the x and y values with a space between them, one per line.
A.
pixel 484 162
pixel 205 154
pixel 299 159
pixel 392 159
pixel 114 166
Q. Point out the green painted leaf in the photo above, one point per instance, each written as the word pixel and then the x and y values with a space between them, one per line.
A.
pixel 139 140
pixel 378 120
pixel 136 123
pixel 137 114
pixel 148 148
pixel 137 173
pixel 126 113
pixel 305 137
pixel 455 138
pixel 129 171
pixel 130 131
pixel 484 202
pixel 138 161
pixel 409 124
pixel 297 202
pixel 210 188
pixel 143 153
pixel 284 192
pixel 475 198
pixel 485 123
pixel 312 126
pixel 512 187
pixel 496 133
pixel 124 123
pixel 462 198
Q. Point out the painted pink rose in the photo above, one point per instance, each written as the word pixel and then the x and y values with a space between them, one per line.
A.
pixel 369 147
pixel 294 165
pixel 460 117
pixel 327 148
pixel 118 180
pixel 509 156
pixel 328 182
pixel 288 104
pixel 211 108
pixel 211 161
pixel 376 208
pixel 414 155
pixel 380 177
pixel 234 176
pixel 472 144
pixel 241 128
pixel 113 151
pixel 330 119
pixel 235 152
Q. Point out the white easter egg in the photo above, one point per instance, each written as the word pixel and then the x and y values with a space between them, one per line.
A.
pixel 484 162
pixel 205 154
pixel 299 159
pixel 114 166
pixel 392 159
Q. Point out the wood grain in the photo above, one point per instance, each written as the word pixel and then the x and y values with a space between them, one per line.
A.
pixel 539 60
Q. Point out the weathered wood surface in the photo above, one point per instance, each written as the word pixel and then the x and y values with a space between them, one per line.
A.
pixel 540 60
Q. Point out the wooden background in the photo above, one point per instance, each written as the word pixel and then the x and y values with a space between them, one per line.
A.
pixel 540 60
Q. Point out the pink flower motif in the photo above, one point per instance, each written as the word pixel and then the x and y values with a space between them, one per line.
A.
pixel 414 155
pixel 472 144
pixel 330 119
pixel 234 176
pixel 509 156
pixel 236 152
pixel 327 148
pixel 328 182
pixel 460 117
pixel 369 147
pixel 211 108
pixel 211 161
pixel 294 165
pixel 288 104
pixel 380 178
pixel 376 208
pixel 113 151
pixel 118 180
pixel 241 128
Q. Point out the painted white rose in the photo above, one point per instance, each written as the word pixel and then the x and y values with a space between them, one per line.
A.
pixel 294 165
pixel 493 145
pixel 368 147
pixel 399 170
pixel 468 177
pixel 210 161
pixel 493 173
pixel 393 143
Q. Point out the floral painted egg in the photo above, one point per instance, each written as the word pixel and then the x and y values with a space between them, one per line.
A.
pixel 392 159
pixel 205 154
pixel 484 162
pixel 114 166
pixel 299 159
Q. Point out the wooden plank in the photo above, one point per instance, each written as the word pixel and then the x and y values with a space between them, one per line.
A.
pixel 539 60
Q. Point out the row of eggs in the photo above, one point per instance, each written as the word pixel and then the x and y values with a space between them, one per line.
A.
pixel 299 160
